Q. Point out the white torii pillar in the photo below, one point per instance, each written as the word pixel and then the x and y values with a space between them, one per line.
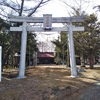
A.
pixel 0 63
pixel 71 50
pixel 23 51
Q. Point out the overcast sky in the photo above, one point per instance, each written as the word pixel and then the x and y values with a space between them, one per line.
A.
pixel 58 9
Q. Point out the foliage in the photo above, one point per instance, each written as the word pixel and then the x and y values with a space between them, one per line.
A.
pixel 4 37
pixel 88 42
pixel 61 48
pixel 7 41
pixel 11 41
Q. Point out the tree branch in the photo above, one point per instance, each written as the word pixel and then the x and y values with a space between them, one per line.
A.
pixel 5 4
pixel 38 5
pixel 21 9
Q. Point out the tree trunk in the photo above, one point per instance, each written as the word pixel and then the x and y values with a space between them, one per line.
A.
pixel 91 61
pixel 82 61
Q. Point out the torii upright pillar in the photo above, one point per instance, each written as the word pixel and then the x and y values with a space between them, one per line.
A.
pixel 71 50
pixel 23 51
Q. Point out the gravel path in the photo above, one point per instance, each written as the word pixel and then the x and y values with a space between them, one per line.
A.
pixel 91 93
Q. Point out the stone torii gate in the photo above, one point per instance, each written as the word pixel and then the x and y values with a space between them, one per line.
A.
pixel 47 21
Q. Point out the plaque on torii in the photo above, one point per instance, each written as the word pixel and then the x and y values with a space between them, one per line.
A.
pixel 47 21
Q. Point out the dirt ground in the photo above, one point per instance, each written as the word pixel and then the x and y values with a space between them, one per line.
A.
pixel 46 83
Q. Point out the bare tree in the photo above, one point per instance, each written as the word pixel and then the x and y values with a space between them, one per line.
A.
pixel 78 6
pixel 20 7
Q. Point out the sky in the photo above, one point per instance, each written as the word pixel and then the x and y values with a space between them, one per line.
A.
pixel 55 8
pixel 58 8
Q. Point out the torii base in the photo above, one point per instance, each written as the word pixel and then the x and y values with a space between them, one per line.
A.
pixel 74 76
pixel 21 77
